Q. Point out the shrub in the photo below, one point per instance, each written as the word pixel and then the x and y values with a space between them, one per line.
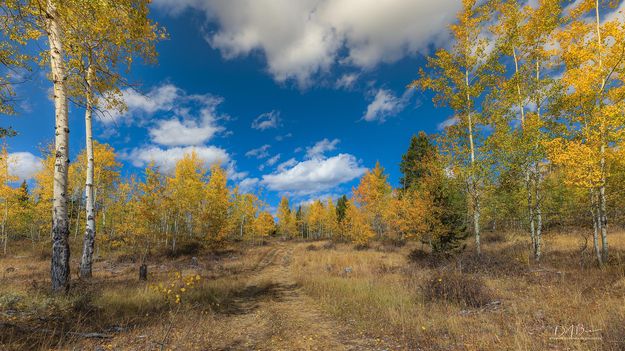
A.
pixel 361 247
pixel 495 237
pixel 330 245
pixel 452 286
pixel 396 242
pixel 186 249
pixel 424 258
pixel 312 247
pixel 420 257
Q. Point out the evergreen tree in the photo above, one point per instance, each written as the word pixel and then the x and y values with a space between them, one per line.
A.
pixel 412 162
pixel 341 208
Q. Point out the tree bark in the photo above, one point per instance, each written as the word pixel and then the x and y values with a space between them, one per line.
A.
pixel 539 216
pixel 603 217
pixel 143 272
pixel 86 261
pixel 5 233
pixel 595 224
pixel 473 186
pixel 60 274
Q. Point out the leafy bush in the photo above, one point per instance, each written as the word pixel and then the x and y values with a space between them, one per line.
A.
pixel 452 286
pixel 186 249
pixel 330 245
pixel 495 237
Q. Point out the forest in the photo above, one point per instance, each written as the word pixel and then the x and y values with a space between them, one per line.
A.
pixel 504 232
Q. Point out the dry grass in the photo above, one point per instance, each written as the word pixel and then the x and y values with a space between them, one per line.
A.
pixel 382 293
pixel 500 301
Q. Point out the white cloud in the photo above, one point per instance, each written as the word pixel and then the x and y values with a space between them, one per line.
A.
pixel 174 118
pixel 267 120
pixel 158 99
pixel 272 161
pixel 309 200
pixel 448 123
pixel 304 38
pixel 346 81
pixel 282 137
pixel 385 105
pixel 314 175
pixel 248 184
pixel 166 159
pixel 321 147
pixel 24 165
pixel 174 132
pixel 286 164
pixel 259 153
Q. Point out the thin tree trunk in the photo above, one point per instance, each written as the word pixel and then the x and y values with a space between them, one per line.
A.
pixel 473 185
pixel 86 261
pixel 603 217
pixel 604 222
pixel 77 222
pixel 528 185
pixel 539 216
pixel 60 274
pixel 595 225
pixel 530 208
pixel 5 233
pixel 538 180
pixel 175 232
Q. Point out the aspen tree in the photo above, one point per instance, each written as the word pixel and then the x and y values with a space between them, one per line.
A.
pixel 7 194
pixel 373 195
pixel 525 35
pixel 186 191
pixel 357 225
pixel 109 34
pixel 217 205
pixel 286 219
pixel 593 53
pixel 264 225
pixel 459 77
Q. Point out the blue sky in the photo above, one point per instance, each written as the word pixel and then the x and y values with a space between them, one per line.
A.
pixel 295 98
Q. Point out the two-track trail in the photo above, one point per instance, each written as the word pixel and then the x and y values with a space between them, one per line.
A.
pixel 268 311
pixel 274 314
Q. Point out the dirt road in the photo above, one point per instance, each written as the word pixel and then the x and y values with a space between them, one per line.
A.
pixel 269 313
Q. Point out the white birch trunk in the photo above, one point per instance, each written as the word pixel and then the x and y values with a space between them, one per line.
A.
pixel 86 261
pixel 60 274
pixel 473 181
pixel 595 224
pixel 603 217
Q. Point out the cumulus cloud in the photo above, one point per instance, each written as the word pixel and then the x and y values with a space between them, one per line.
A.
pixel 314 175
pixel 286 164
pixel 248 184
pixel 173 117
pixel 174 132
pixel 321 147
pixel 303 38
pixel 24 165
pixel 268 120
pixel 260 152
pixel 166 159
pixel 160 98
pixel 385 104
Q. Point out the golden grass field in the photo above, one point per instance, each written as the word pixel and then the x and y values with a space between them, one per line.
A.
pixel 321 296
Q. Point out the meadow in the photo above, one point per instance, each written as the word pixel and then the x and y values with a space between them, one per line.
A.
pixel 321 295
